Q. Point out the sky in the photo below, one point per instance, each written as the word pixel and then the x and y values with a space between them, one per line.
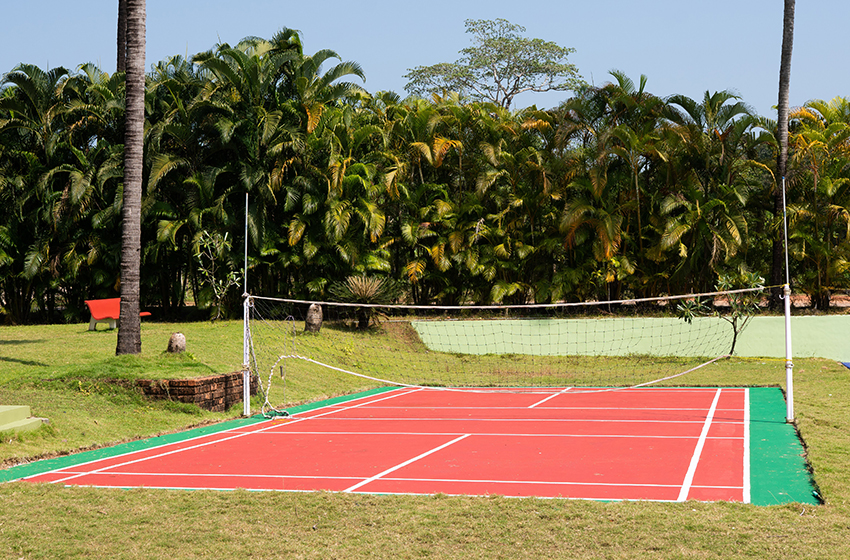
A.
pixel 683 46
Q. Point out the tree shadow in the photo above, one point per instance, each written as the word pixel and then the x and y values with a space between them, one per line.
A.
pixel 20 342
pixel 22 362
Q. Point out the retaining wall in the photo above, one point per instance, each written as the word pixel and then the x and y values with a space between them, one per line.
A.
pixel 215 392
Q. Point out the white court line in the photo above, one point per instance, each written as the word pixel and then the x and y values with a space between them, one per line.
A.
pixel 692 468
pixel 404 464
pixel 498 434
pixel 205 444
pixel 700 409
pixel 747 496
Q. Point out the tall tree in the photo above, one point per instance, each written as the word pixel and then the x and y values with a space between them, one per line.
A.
pixel 129 335
pixel 782 125
pixel 501 65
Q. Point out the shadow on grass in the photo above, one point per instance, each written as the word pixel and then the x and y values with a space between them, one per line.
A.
pixel 22 362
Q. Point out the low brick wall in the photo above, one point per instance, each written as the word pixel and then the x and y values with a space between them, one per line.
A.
pixel 215 392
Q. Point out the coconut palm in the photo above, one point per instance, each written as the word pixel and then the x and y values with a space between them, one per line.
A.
pixel 129 335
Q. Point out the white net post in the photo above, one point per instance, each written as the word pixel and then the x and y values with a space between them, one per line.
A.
pixel 789 366
pixel 246 370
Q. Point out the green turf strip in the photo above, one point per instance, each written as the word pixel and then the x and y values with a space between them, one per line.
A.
pixel 46 465
pixel 778 470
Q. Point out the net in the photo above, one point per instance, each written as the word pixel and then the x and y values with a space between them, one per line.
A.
pixel 537 348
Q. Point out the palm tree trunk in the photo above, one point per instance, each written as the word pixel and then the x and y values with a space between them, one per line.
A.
pixel 121 65
pixel 129 332
pixel 779 202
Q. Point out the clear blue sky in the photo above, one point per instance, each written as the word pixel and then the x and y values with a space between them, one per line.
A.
pixel 683 46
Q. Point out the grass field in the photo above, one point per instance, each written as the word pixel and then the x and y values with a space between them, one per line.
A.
pixel 69 376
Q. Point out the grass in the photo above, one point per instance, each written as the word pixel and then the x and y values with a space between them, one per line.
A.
pixel 66 374
pixel 72 377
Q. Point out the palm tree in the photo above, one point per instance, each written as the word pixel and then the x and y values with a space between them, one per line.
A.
pixel 821 146
pixel 779 196
pixel 32 108
pixel 314 91
pixel 705 229
pixel 710 133
pixel 129 335
pixel 637 135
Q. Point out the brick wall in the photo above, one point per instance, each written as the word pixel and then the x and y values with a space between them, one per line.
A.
pixel 215 392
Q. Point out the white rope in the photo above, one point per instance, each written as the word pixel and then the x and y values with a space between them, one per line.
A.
pixel 535 390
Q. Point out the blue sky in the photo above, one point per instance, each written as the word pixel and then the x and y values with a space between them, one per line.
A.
pixel 683 46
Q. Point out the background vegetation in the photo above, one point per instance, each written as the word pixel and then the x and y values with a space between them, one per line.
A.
pixel 615 192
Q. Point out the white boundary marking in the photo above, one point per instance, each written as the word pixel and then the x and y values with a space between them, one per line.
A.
pixel 405 463
pixel 692 468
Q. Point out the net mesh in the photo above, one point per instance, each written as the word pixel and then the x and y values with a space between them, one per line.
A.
pixel 512 348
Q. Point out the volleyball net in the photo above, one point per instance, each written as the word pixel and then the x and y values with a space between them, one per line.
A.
pixel 297 346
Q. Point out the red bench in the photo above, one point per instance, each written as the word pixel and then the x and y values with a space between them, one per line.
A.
pixel 106 311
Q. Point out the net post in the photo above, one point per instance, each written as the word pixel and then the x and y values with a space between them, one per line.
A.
pixel 246 370
pixel 789 366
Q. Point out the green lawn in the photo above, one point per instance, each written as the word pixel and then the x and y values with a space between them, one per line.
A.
pixel 67 375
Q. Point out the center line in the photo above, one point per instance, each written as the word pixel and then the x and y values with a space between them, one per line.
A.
pixel 692 469
pixel 404 464
pixel 550 397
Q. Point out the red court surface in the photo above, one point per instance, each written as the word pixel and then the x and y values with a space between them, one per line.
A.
pixel 634 444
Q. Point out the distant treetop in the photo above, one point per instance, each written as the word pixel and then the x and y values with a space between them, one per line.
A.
pixel 499 65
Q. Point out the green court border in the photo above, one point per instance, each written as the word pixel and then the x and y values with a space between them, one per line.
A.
pixel 778 470
pixel 779 473
pixel 46 465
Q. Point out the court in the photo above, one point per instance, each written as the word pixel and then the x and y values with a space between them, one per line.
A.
pixel 660 444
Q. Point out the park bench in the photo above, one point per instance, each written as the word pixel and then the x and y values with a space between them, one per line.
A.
pixel 106 311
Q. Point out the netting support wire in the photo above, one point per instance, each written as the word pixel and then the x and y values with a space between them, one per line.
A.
pixel 246 369
pixel 789 365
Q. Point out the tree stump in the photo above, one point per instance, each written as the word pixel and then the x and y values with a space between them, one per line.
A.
pixel 177 343
pixel 314 318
